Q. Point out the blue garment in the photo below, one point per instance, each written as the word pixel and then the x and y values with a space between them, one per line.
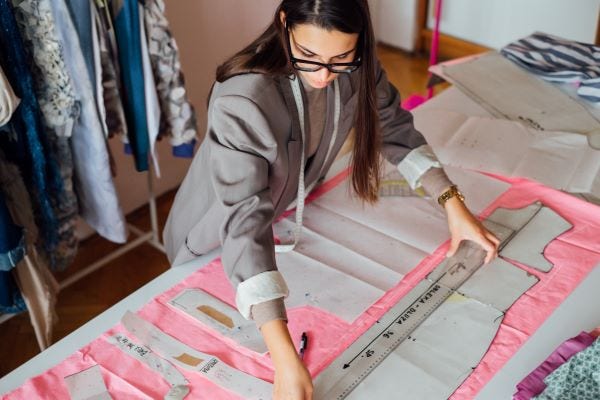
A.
pixel 81 14
pixel 12 250
pixel 127 29
pixel 31 149
pixel 12 247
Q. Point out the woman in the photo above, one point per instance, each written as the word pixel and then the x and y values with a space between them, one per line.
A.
pixel 278 115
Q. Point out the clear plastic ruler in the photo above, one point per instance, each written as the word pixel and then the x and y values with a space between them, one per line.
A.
pixel 341 377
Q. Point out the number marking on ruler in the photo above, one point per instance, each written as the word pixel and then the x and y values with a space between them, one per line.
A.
pixel 443 282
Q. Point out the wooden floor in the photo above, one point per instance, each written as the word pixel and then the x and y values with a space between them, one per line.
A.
pixel 97 292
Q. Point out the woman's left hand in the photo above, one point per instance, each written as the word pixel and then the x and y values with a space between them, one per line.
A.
pixel 464 226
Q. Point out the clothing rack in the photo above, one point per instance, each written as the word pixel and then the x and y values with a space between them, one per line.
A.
pixel 151 237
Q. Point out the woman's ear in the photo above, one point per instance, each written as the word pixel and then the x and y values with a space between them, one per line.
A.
pixel 282 18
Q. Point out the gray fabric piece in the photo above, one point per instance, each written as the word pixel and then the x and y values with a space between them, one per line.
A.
pixel 527 232
pixel 268 311
pixel 528 245
pixel 435 182
pixel 245 173
pixel 498 284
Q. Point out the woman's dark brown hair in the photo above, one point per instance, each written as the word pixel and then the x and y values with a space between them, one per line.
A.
pixel 267 55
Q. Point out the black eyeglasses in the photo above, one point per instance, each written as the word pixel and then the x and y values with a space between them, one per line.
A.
pixel 313 66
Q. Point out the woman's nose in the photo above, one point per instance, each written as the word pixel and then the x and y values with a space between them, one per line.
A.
pixel 323 74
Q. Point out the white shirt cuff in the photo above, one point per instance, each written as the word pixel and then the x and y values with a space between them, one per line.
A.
pixel 263 287
pixel 416 163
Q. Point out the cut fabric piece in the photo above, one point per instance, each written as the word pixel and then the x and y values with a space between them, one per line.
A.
pixel 559 60
pixel 8 100
pixel 508 91
pixel 220 317
pixel 127 29
pixel 98 201
pixel 578 378
pixel 210 367
pixel 534 227
pixel 87 385
pixel 178 117
pixel 179 385
pixel 533 384
pixel 473 302
pixel 426 368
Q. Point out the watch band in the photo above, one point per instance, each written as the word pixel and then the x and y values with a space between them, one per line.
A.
pixel 448 194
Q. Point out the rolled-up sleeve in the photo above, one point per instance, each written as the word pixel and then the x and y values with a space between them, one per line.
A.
pixel 242 147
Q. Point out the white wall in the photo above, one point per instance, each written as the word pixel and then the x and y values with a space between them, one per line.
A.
pixel 207 32
pixel 394 22
pixel 495 23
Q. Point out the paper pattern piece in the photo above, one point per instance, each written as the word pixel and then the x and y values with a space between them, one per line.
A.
pixel 442 347
pixel 560 160
pixel 184 356
pixel 220 317
pixel 574 254
pixel 534 227
pixel 87 385
pixel 508 91
pixel 179 385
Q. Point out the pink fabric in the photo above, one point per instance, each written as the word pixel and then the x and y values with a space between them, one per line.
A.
pixel 574 254
pixel 533 384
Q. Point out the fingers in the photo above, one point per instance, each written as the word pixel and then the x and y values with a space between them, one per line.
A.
pixel 490 243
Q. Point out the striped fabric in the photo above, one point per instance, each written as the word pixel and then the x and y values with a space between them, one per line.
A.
pixel 559 60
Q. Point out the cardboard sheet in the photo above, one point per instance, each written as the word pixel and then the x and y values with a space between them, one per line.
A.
pixel 87 385
pixel 508 91
pixel 222 318
pixel 560 160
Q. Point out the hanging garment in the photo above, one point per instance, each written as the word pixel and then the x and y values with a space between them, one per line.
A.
pixel 28 145
pixel 98 201
pixel 109 64
pixel 559 60
pixel 8 100
pixel 11 252
pixel 127 28
pixel 81 17
pixel 57 101
pixel 178 115
pixel 153 113
pixel 37 284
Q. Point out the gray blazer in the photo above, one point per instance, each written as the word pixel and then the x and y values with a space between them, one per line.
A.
pixel 245 173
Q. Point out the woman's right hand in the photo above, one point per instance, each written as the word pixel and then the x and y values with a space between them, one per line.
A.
pixel 292 380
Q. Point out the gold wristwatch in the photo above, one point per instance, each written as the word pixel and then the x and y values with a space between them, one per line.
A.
pixel 450 193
